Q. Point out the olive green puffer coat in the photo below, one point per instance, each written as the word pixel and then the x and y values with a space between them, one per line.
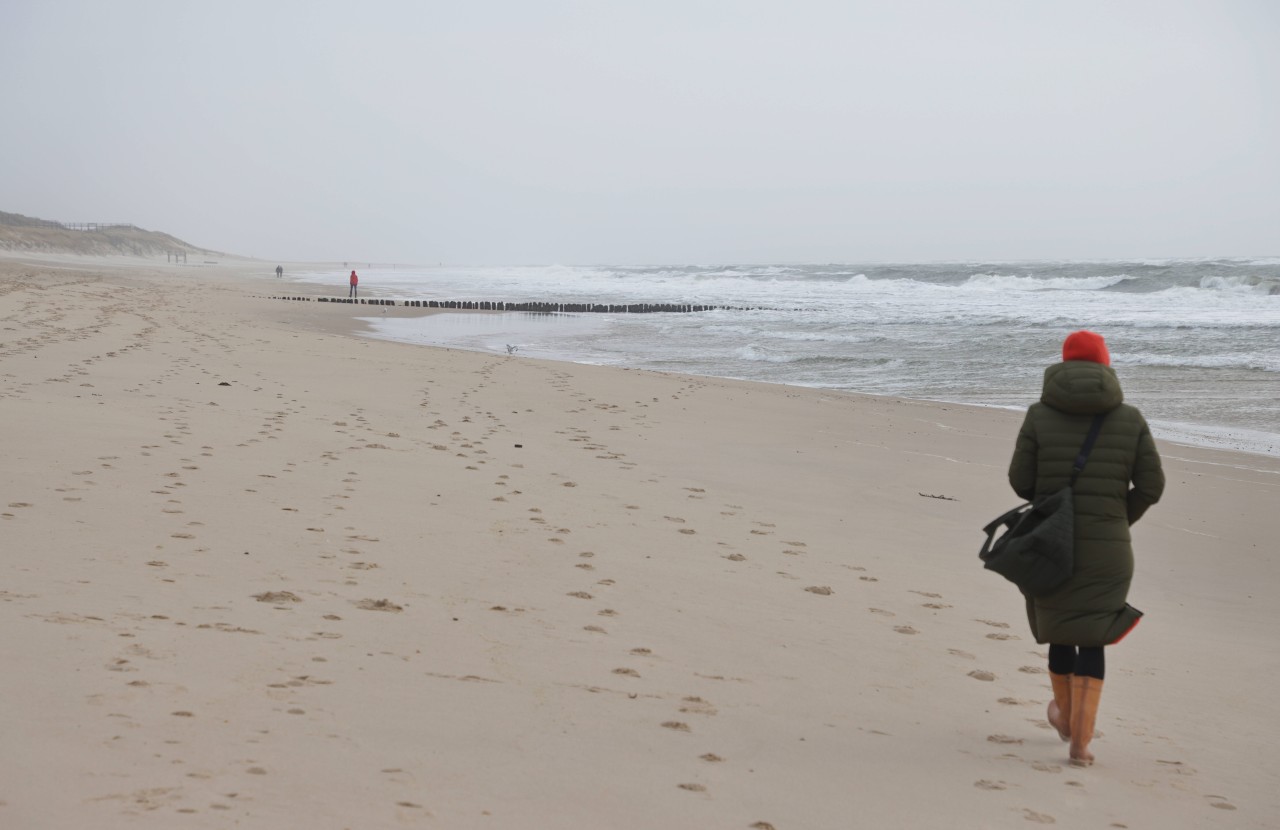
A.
pixel 1090 608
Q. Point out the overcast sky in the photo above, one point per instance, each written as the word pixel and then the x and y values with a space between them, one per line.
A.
pixel 651 131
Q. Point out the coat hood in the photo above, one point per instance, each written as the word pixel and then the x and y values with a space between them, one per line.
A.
pixel 1081 387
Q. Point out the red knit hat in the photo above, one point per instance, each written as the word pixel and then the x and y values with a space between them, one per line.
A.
pixel 1086 345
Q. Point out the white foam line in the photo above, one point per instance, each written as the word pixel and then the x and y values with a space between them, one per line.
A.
pixel 1193 532
pixel 1168 457
pixel 933 455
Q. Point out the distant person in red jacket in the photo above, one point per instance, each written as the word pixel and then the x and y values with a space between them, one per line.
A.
pixel 354 282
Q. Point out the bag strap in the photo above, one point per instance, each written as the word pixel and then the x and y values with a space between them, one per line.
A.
pixel 1009 519
pixel 1089 441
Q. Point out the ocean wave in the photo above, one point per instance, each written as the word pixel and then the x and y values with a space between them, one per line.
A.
pixel 1242 284
pixel 754 353
pixel 792 335
pixel 1247 362
pixel 1010 282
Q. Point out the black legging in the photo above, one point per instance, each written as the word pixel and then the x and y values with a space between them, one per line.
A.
pixel 1090 662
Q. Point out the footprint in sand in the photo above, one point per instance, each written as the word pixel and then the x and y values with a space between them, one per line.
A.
pixel 1003 739
pixel 676 725
pixel 277 596
pixel 1038 818
pixel 993 623
pixel 1013 701
pixel 820 590
pixel 905 629
pixel 978 674
pixel 986 784
pixel 695 705
pixel 378 605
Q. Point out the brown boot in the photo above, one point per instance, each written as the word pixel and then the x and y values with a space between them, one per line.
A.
pixel 1060 706
pixel 1086 692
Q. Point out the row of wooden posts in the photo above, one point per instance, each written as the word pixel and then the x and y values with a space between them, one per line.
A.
pixel 496 305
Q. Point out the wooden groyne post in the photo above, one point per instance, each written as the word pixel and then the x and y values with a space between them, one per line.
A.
pixel 536 307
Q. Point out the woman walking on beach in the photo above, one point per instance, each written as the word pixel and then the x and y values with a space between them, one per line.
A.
pixel 355 281
pixel 1121 479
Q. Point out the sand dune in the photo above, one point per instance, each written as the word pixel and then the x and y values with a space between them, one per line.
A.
pixel 259 572
pixel 24 234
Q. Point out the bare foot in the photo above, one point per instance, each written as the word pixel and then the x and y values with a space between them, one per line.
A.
pixel 1081 756
pixel 1058 722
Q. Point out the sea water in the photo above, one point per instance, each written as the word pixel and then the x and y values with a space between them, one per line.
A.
pixel 1196 343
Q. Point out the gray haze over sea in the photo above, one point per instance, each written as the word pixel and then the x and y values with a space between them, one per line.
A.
pixel 1196 343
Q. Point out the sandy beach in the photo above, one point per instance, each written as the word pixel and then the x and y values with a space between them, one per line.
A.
pixel 261 572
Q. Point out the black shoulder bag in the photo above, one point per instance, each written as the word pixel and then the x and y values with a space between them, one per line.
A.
pixel 1037 551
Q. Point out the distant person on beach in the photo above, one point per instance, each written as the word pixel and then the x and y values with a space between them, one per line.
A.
pixel 1121 478
pixel 354 282
pixel 279 271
